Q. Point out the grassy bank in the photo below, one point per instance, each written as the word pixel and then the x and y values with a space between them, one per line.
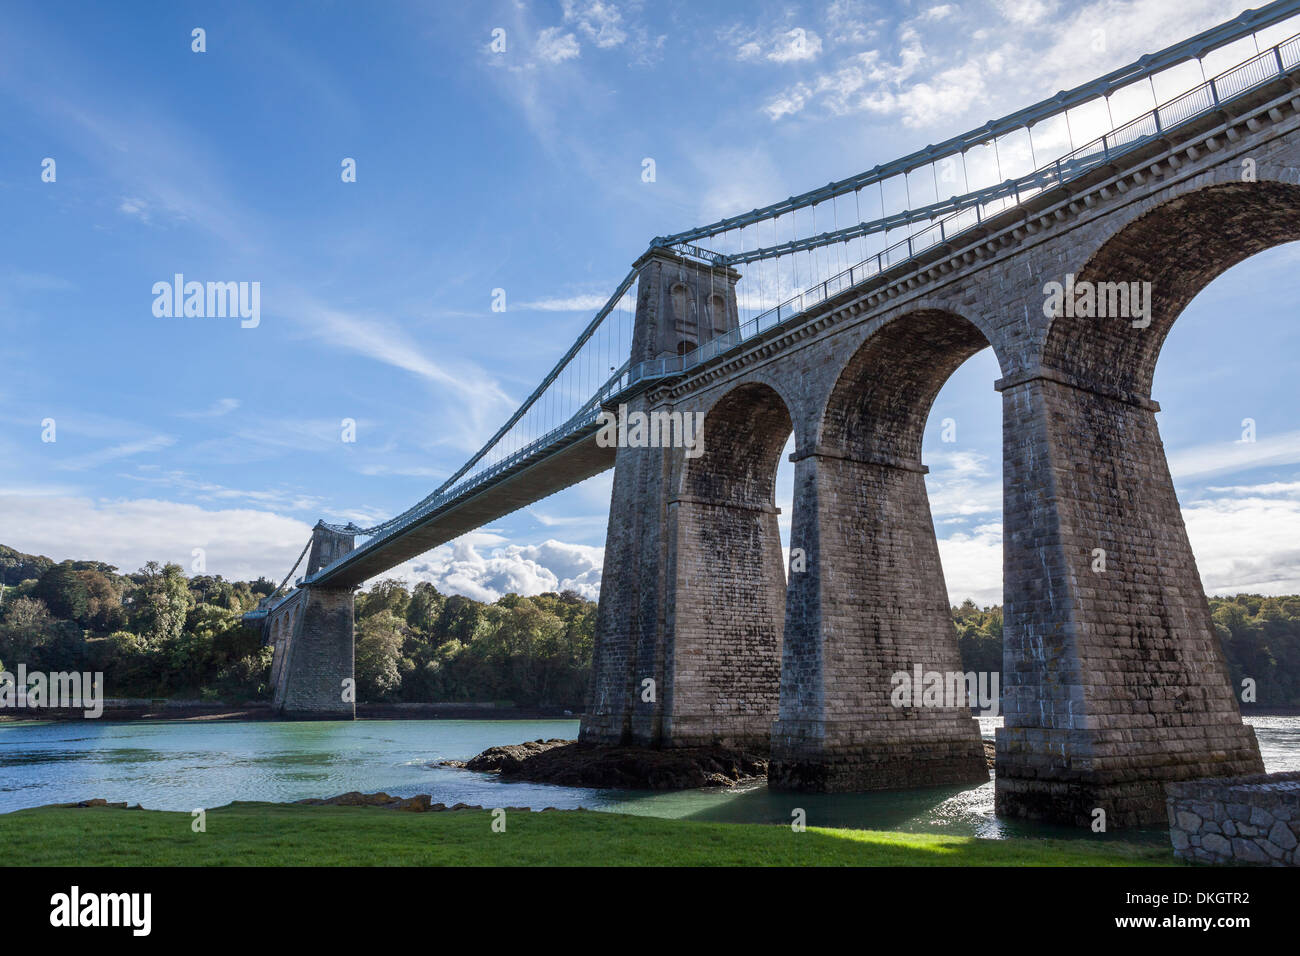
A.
pixel 261 834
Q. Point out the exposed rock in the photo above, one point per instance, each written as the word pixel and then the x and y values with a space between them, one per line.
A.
pixel 572 764
pixel 420 803
pixel 99 802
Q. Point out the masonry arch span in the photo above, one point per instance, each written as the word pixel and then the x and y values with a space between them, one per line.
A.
pixel 882 398
pixel 1178 247
pixel 1115 682
pixel 726 606
pixel 873 603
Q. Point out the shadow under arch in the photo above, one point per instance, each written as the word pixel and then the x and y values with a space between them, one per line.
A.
pixel 1179 247
pixel 872 603
pixel 726 603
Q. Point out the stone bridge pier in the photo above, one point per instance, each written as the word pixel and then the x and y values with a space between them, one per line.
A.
pixel 312 667
pixel 1113 680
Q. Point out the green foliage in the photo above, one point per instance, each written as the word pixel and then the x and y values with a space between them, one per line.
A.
pixel 64 593
pixel 156 633
pixel 979 637
pixel 533 651
pixel 1260 638
pixel 161 602
pixel 388 595
pixel 379 639
pixel 16 567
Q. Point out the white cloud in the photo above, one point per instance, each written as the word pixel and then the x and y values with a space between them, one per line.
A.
pixel 554 46
pixel 123 450
pixel 941 12
pixel 473 567
pixel 134 206
pixel 780 46
pixel 1217 458
pixel 599 22
pixel 574 303
pixel 1024 12
pixel 1247 544
pixel 972 565
pixel 962 486
pixel 1041 51
pixel 847 22
pixel 238 543
pixel 222 406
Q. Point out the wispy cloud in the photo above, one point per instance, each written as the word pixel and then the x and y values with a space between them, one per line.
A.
pixel 1217 458
pixel 222 406
pixel 123 450
pixel 1040 48
pixel 573 303
pixel 556 46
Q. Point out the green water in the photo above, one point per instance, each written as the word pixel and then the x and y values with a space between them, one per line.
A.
pixel 172 765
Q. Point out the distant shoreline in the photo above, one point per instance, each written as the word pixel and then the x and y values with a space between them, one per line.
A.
pixel 201 712
pixel 197 711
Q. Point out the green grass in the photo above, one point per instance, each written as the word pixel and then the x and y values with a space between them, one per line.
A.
pixel 264 834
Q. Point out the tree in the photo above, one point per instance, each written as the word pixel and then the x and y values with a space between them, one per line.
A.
pixel 461 619
pixel 378 651
pixel 162 599
pixel 104 610
pixel 425 608
pixel 64 593
pixel 386 595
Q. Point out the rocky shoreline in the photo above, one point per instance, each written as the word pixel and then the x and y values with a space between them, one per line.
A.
pixel 568 763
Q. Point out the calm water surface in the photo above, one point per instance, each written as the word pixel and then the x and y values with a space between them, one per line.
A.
pixel 170 765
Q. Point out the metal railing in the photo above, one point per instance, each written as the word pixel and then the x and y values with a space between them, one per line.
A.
pixel 1262 68
pixel 974 208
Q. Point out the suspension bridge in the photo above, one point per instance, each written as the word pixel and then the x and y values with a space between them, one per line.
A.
pixel 837 315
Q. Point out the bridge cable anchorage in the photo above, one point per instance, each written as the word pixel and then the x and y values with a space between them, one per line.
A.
pixel 1280 60
pixel 1195 47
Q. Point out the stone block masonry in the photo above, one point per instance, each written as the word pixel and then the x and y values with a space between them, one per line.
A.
pixel 1253 819
pixel 313 663
pixel 319 660
pixel 1114 683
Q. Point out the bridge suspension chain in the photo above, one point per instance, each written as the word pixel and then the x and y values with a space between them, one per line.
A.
pixel 1195 47
pixel 548 414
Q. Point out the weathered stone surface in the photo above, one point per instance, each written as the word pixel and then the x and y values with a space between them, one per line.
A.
pixel 574 764
pixel 1282 836
pixel 1216 844
pixel 313 637
pixel 1114 683
pixel 1258 797
pixel 420 803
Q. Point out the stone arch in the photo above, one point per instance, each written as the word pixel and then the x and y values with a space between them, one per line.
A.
pixel 872 603
pixel 726 606
pixel 1179 246
pixel 882 397
pixel 1114 679
pixel 745 429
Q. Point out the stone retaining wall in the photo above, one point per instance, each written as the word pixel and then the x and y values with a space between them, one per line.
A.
pixel 1253 819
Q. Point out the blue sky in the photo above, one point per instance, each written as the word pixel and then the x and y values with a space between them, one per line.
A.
pixel 479 170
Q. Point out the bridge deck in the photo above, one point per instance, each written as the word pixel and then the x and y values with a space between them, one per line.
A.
pixel 552 469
